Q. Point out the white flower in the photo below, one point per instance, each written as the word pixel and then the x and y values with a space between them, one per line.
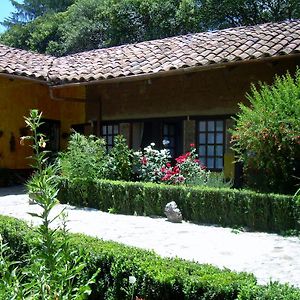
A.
pixel 152 144
pixel 165 142
pixel 132 280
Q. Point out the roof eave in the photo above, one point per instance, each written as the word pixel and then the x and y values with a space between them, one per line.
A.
pixel 186 70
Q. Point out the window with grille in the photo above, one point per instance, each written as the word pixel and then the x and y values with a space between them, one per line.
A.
pixel 109 132
pixel 211 143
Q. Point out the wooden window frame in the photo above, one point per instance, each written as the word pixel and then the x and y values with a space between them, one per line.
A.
pixel 106 135
pixel 215 119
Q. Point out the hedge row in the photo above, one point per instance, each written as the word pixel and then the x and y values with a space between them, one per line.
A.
pixel 157 278
pixel 226 207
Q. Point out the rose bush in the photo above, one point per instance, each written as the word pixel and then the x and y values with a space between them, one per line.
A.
pixel 187 168
pixel 149 163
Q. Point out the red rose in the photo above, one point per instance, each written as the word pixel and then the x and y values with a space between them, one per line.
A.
pixel 144 160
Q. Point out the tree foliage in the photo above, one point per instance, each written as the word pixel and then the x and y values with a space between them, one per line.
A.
pixel 231 13
pixel 267 135
pixel 61 27
pixel 28 10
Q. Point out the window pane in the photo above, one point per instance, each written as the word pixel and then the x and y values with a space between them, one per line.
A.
pixel 116 129
pixel 211 143
pixel 210 163
pixel 219 163
pixel 219 150
pixel 104 130
pixel 202 138
pixel 109 140
pixel 219 138
pixel 211 126
pixel 210 150
pixel 219 126
pixel 166 133
pixel 202 150
pixel 109 129
pixel 172 142
pixel 211 138
pixel 202 160
pixel 171 130
pixel 202 126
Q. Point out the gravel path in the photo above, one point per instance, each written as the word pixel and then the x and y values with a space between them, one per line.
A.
pixel 267 256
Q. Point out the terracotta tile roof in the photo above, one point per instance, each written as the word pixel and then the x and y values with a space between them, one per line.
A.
pixel 200 49
pixel 24 63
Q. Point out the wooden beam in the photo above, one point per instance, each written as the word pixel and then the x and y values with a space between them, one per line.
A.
pixel 67 99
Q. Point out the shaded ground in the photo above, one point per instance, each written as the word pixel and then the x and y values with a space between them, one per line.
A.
pixel 268 256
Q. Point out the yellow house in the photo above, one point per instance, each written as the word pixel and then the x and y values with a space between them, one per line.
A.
pixel 182 89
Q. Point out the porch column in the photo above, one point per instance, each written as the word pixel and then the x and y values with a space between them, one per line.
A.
pixel 93 110
pixel 229 165
pixel 189 134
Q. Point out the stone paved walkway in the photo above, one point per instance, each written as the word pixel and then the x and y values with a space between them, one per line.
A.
pixel 268 256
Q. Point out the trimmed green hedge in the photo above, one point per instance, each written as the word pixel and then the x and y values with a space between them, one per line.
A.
pixel 157 278
pixel 226 207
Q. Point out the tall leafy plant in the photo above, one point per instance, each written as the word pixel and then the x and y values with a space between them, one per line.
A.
pixel 85 157
pixel 53 270
pixel 119 161
pixel 266 137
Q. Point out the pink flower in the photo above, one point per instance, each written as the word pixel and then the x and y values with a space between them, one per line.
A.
pixel 176 170
pixel 166 177
pixel 192 145
pixel 181 159
pixel 144 160
pixel 180 179
pixel 203 167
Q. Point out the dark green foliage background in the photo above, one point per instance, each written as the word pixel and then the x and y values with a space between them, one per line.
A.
pixel 157 278
pixel 69 26
pixel 226 207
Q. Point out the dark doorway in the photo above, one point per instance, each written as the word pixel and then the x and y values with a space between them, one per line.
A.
pixel 51 129
pixel 165 134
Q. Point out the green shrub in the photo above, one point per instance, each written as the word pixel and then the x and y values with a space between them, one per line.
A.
pixel 227 207
pixel 267 135
pixel 273 291
pixel 212 180
pixel 157 278
pixel 85 157
pixel 119 162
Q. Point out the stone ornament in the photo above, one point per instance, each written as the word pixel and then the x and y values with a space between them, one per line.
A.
pixel 173 213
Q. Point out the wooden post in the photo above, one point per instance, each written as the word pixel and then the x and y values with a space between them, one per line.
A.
pixel 93 110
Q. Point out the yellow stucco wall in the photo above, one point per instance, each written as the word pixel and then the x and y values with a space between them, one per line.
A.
pixel 17 97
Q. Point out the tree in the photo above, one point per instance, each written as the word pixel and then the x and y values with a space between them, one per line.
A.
pixel 91 24
pixel 267 135
pixel 61 27
pixel 219 14
pixel 28 10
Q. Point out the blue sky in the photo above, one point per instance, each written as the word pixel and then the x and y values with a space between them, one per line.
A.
pixel 5 9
